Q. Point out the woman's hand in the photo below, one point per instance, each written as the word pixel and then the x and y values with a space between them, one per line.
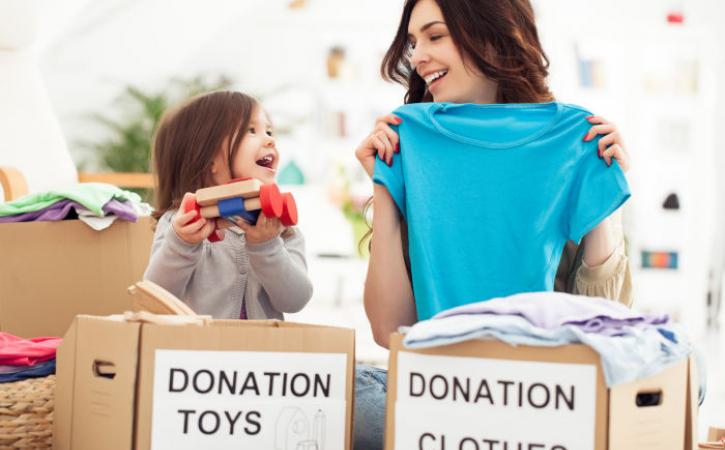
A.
pixel 611 145
pixel 266 229
pixel 382 141
pixel 189 226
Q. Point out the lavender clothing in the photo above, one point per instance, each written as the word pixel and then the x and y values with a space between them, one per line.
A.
pixel 57 211
pixel 637 353
pixel 551 310
pixel 631 346
pixel 65 208
pixel 122 209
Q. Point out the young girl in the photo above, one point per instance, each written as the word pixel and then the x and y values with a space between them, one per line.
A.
pixel 260 274
pixel 470 54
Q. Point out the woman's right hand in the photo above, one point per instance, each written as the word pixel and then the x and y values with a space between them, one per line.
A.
pixel 382 141
pixel 189 226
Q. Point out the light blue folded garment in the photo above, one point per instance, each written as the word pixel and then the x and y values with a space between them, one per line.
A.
pixel 636 353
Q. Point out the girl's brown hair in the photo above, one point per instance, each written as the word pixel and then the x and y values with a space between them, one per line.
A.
pixel 188 139
pixel 498 37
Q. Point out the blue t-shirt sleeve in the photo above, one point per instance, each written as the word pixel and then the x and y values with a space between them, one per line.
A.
pixel 392 178
pixel 597 192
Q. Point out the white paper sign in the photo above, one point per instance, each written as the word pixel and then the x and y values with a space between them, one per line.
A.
pixel 465 403
pixel 213 400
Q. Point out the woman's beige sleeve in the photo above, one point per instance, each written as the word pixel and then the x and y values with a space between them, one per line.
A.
pixel 612 279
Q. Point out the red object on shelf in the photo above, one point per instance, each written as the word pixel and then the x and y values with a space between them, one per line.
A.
pixel 675 17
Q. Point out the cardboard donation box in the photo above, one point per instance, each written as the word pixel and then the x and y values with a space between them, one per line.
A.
pixel 52 271
pixel 221 384
pixel 488 395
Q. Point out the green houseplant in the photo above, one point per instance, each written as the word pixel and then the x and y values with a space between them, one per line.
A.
pixel 126 146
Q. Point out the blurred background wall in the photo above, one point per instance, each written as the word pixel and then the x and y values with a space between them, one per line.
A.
pixel 100 73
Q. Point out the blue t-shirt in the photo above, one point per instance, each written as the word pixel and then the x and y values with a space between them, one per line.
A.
pixel 491 193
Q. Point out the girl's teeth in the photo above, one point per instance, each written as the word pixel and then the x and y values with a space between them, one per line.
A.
pixel 265 162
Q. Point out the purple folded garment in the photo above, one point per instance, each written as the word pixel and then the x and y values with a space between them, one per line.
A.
pixel 64 209
pixel 551 310
pixel 123 210
pixel 614 326
pixel 57 211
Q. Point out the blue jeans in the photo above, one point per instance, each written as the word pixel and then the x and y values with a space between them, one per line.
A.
pixel 369 418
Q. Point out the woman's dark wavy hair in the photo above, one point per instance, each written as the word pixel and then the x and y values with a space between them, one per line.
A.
pixel 497 37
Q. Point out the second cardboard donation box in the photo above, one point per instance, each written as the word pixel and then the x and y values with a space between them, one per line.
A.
pixel 488 395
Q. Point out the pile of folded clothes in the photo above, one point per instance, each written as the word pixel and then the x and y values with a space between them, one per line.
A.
pixel 631 345
pixel 21 359
pixel 96 204
pixel 27 391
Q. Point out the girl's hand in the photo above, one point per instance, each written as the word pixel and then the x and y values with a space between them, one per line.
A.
pixel 382 141
pixel 611 145
pixel 265 229
pixel 189 226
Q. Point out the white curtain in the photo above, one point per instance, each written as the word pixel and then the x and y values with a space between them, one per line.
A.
pixel 30 136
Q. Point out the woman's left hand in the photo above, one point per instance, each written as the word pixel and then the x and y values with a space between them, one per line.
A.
pixel 611 145
pixel 266 229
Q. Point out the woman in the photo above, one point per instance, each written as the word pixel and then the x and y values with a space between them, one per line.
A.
pixel 466 52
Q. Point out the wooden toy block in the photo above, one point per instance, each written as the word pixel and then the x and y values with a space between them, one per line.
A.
pixel 242 199
pixel 287 216
pixel 245 188
pixel 149 296
pixel 250 204
pixel 270 201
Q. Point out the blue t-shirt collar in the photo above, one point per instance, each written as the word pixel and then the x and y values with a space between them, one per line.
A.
pixel 442 108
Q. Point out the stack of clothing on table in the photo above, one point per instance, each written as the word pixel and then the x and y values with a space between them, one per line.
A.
pixel 26 358
pixel 631 345
pixel 96 204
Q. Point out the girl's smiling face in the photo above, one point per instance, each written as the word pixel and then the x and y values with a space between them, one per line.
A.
pixel 256 156
pixel 437 60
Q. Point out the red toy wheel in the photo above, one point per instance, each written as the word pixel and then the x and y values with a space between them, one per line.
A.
pixel 271 200
pixel 190 204
pixel 289 215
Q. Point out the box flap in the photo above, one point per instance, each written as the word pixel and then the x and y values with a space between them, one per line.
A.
pixel 271 323
pixel 64 384
pixel 149 296
pixel 105 380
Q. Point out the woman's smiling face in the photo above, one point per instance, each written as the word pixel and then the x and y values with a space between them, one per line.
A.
pixel 438 61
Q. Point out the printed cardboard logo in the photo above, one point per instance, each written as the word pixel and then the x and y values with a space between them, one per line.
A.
pixel 239 399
